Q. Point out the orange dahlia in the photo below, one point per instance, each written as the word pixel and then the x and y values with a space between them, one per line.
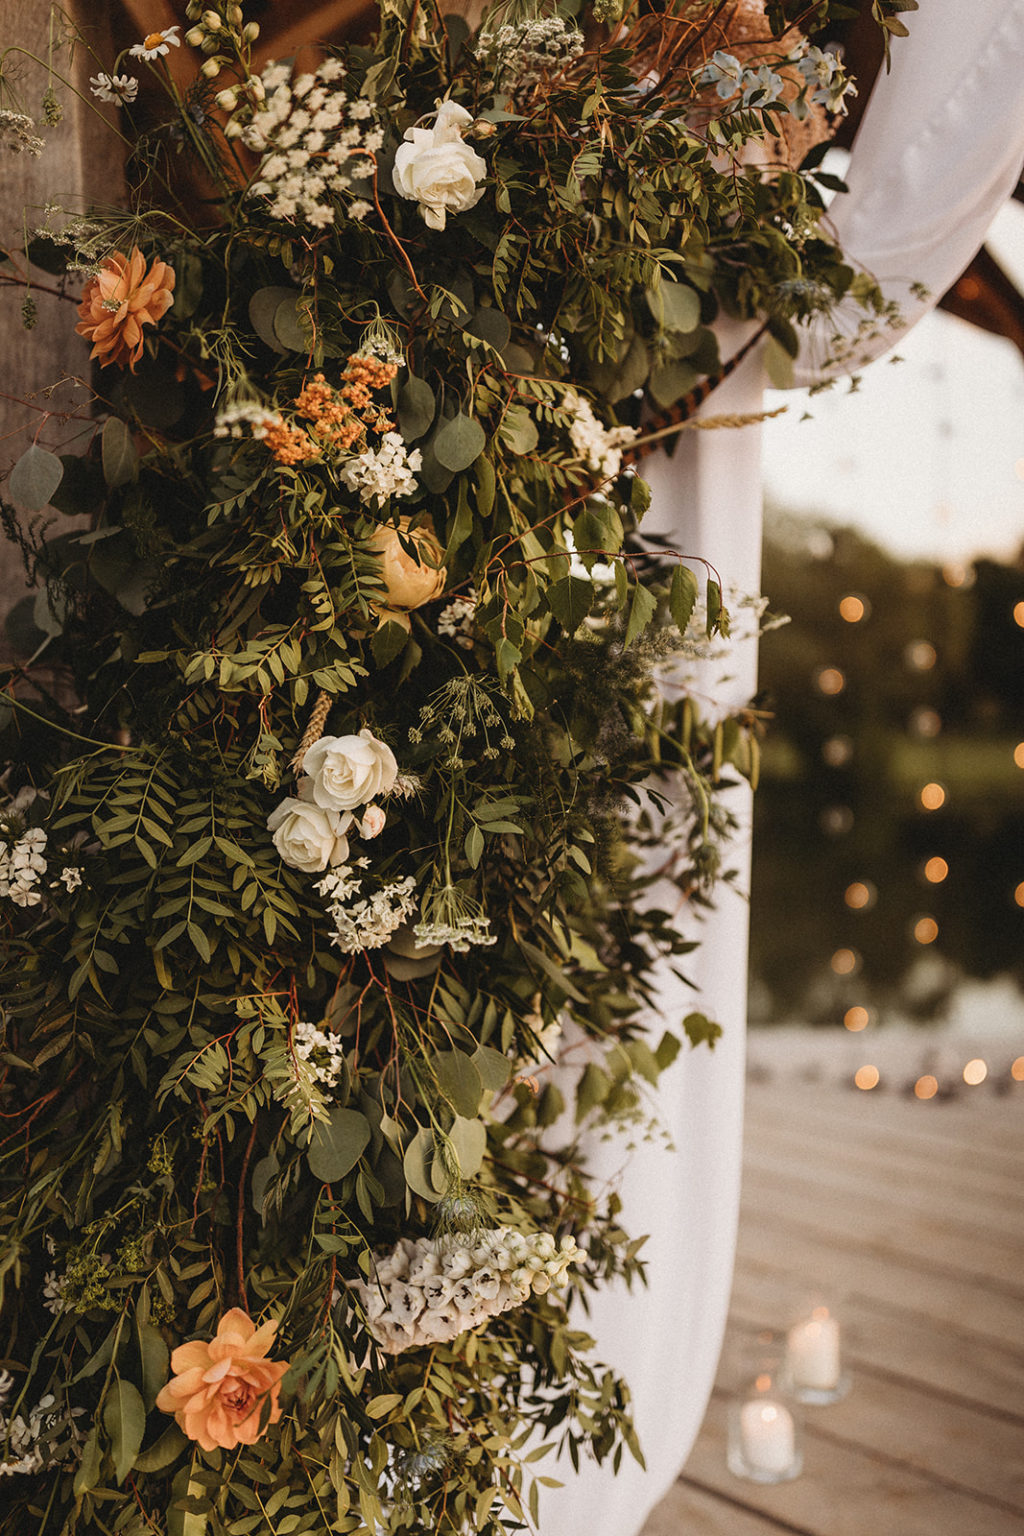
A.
pixel 119 301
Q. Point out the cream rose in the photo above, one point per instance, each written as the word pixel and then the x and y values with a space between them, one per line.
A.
pixel 346 771
pixel 437 170
pixel 410 582
pixel 308 836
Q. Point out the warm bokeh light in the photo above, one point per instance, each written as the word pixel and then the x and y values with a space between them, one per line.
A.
pixel 854 608
pixel 856 1019
pixel 932 797
pixel 829 681
pixel 866 1077
pixel 935 870
pixel 837 751
pixel 859 896
pixel 763 1383
pixel 926 930
pixel 975 1072
pixel 926 1087
pixel 836 820
pixel 1018 894
pixel 925 722
pixel 845 961
pixel 1018 614
pixel 921 655
pixel 1017 1070
pixel 1018 754
pixel 956 575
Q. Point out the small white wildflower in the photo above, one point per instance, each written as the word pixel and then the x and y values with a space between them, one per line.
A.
pixel 378 474
pixel 71 878
pixel 358 209
pixel 456 620
pixel 18 135
pixel 122 88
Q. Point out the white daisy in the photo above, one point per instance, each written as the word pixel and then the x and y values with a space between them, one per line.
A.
pixel 155 44
pixel 123 88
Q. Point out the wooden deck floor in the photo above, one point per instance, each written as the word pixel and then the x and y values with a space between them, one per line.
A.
pixel 912 1214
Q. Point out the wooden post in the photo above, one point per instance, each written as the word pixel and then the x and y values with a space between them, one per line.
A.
pixel 41 390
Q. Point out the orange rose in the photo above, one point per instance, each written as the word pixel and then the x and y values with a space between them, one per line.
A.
pixel 119 301
pixel 409 585
pixel 218 1390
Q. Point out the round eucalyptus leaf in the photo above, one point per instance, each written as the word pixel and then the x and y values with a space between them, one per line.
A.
pixel 459 442
pixel 35 478
pixel 335 1146
pixel 263 306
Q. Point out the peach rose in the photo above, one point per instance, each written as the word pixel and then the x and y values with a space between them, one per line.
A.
pixel 409 583
pixel 218 1390
pixel 119 301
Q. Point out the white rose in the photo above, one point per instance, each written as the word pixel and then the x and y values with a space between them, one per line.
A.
pixel 309 837
pixel 346 771
pixel 436 169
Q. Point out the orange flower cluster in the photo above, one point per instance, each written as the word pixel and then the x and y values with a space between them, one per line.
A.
pixel 119 301
pixel 289 445
pixel 341 416
pixel 218 1389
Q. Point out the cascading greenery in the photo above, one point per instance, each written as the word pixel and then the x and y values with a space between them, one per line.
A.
pixel 364 468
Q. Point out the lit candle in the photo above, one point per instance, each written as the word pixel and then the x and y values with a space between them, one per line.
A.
pixel 767 1435
pixel 812 1352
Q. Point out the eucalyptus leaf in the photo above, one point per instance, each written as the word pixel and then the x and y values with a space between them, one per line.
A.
pixel 494 1067
pixel 289 327
pixel 35 478
pixel 491 326
pixel 416 408
pixel 459 1081
pixel 120 456
pixel 459 443
pixel 469 1139
pixel 263 307
pixel 675 306
pixel 335 1146
pixel 418 1162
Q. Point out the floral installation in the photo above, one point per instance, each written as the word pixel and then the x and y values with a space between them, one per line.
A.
pixel 336 747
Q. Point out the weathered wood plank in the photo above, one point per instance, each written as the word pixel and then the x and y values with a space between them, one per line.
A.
pixel 845 1491
pixel 691 1511
pixel 931 1164
pixel 767 1241
pixel 871 1223
pixel 989 1128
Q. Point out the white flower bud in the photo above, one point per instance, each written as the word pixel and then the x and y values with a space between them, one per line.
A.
pixel 233 130
pixel 209 44
pixel 226 99
pixel 256 89
pixel 250 32
pixel 234 15
pixel 211 21
pixel 194 37
pixel 211 68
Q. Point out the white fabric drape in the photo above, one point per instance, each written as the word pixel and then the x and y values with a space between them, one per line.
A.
pixel 940 148
pixel 938 151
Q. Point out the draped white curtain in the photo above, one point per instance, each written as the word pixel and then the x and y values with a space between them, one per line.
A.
pixel 939 149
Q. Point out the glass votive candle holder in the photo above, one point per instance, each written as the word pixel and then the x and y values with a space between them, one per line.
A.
pixel 765 1433
pixel 814 1366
